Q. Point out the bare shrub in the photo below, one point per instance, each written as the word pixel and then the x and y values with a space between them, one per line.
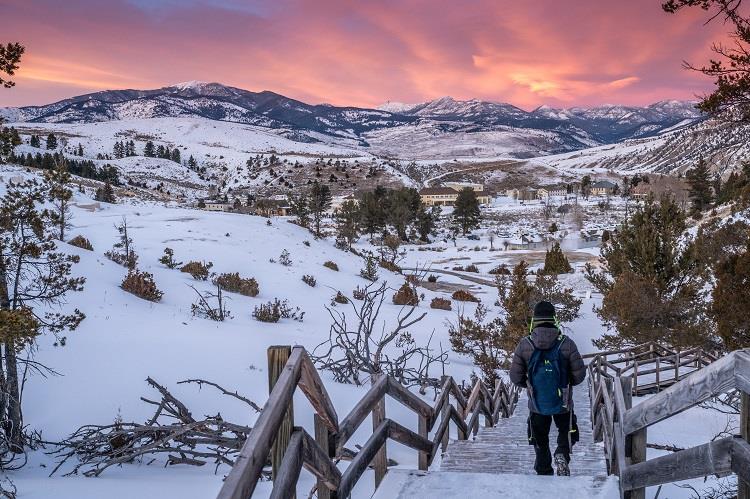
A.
pixel 471 268
pixel 123 252
pixel 370 348
pixel 309 280
pixel 168 259
pixel 339 297
pixel 81 242
pixel 233 283
pixel 275 310
pixel 199 270
pixel 406 295
pixel 441 303
pixel 331 265
pixel 500 270
pixel 205 308
pixel 359 293
pixel 388 265
pixel 463 295
pixel 142 285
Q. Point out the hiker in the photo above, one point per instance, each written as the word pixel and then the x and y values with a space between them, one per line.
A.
pixel 547 363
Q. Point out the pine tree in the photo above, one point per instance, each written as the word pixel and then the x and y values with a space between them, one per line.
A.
pixel 372 213
pixel 34 281
pixel 347 222
pixel 731 300
pixel 160 151
pixel 34 141
pixel 426 221
pixel 320 200
pixel 117 151
pixel 651 280
pixel 555 261
pixel 148 149
pixel 700 192
pixel 300 207
pixel 192 164
pixel 51 141
pixel 402 207
pixel 105 194
pixel 57 181
pixel 175 155
pixel 466 211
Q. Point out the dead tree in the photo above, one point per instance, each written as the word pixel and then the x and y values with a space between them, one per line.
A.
pixel 204 308
pixel 354 354
pixel 171 431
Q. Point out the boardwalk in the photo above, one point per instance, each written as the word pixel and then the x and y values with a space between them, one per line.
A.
pixel 504 448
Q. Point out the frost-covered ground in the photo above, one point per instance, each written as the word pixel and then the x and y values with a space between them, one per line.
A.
pixel 123 340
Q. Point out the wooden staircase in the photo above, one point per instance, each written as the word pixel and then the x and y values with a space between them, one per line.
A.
pixel 505 449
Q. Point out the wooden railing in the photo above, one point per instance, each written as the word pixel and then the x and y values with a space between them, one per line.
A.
pixel 291 447
pixel 651 366
pixel 622 426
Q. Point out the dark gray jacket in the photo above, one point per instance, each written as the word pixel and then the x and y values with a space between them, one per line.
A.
pixel 544 338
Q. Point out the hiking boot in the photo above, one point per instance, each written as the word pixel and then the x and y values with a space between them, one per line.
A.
pixel 561 465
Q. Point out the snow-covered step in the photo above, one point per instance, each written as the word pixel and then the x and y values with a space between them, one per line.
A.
pixel 505 449
pixel 406 484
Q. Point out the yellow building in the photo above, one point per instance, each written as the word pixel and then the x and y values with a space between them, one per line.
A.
pixel 446 196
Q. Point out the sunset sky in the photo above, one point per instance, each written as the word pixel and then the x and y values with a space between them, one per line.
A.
pixel 363 52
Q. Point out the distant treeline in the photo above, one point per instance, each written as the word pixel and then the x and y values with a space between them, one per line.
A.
pixel 83 168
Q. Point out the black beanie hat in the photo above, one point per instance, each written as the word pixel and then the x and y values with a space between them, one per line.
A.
pixel 544 311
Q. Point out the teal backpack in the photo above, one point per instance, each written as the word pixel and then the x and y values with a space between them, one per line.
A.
pixel 549 379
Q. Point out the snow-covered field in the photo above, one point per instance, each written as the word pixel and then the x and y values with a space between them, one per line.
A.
pixel 103 367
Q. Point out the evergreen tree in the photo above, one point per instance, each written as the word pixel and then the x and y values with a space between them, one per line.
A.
pixel 60 195
pixel 160 151
pixel 105 194
pixel 347 222
pixel 51 141
pixel 118 150
pixel 320 200
pixel 192 164
pixel 372 213
pixel 34 141
pixel 731 300
pixel 426 221
pixel 34 281
pixel 300 207
pixel 555 261
pixel 466 213
pixel 700 192
pixel 10 57
pixel 148 149
pixel 175 155
pixel 80 150
pixel 403 205
pixel 651 280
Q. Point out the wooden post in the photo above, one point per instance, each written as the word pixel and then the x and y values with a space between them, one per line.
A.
pixel 635 444
pixel 424 457
pixel 380 463
pixel 323 438
pixel 444 414
pixel 657 375
pixel 743 488
pixel 635 378
pixel 677 366
pixel 277 358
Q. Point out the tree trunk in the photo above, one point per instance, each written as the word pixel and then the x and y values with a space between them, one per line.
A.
pixel 15 417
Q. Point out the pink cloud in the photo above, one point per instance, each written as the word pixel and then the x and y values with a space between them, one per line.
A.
pixel 363 52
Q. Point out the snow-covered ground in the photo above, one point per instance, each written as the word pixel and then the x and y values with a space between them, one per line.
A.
pixel 124 339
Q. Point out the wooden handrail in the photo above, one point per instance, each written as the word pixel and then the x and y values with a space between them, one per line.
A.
pixel 304 451
pixel 618 424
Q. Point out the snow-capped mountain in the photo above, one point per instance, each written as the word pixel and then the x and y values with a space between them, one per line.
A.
pixel 458 127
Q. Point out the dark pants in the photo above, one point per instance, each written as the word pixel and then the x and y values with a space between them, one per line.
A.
pixel 539 426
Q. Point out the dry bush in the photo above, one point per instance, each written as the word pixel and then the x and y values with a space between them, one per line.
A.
pixel 413 279
pixel 471 268
pixel 142 285
pixel 204 306
pixel 500 270
pixel 309 280
pixel 432 278
pixel 441 303
pixel 233 283
pixel 199 270
pixel 390 266
pixel 462 295
pixel 359 293
pixel 275 310
pixel 340 298
pixel 406 295
pixel 331 265
pixel 81 242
